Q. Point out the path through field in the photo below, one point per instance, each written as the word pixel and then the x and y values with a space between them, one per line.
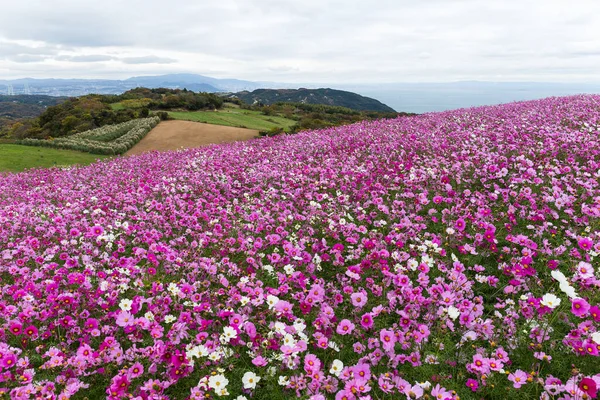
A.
pixel 173 135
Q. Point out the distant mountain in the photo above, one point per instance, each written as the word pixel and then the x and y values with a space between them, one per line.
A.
pixel 330 97
pixel 80 87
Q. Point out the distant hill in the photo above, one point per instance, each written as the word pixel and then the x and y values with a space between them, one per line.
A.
pixel 14 108
pixel 331 97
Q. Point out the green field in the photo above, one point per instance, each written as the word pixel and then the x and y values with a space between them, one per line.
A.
pixel 235 117
pixel 16 158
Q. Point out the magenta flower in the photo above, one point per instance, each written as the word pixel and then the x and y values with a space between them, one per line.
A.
pixel 589 387
pixel 472 384
pixel 96 230
pixel 366 321
pixel 460 224
pixel 579 307
pixel 16 328
pixel 585 243
pixel 594 312
pixel 8 360
pixel 31 331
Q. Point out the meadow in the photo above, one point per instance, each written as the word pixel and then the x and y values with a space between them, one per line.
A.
pixel 16 158
pixel 236 117
pixel 441 256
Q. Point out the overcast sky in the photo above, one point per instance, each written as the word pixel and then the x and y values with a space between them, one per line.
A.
pixel 346 41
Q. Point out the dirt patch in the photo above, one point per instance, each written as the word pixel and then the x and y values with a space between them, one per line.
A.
pixel 174 135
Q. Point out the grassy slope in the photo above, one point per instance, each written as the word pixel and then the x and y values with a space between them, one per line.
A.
pixel 235 117
pixel 17 158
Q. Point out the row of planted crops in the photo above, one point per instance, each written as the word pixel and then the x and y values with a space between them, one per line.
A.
pixel 441 256
pixel 109 139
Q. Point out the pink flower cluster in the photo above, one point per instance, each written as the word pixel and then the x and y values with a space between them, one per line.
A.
pixel 446 255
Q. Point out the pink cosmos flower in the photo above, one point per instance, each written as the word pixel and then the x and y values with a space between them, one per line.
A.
pixel 125 319
pixel 135 370
pixel 518 378
pixel 439 392
pixel 345 327
pixel 345 395
pixel 358 299
pixel 312 363
pixel 283 307
pixel 413 392
pixel 388 339
pixel 259 361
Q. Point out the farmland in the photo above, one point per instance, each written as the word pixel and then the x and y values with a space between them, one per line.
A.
pixel 447 255
pixel 175 135
pixel 236 117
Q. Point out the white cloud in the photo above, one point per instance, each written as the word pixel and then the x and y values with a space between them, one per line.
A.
pixel 305 41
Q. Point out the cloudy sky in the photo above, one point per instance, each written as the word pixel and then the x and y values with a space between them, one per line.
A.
pixel 346 41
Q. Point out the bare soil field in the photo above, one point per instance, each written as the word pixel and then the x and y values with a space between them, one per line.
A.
pixel 173 135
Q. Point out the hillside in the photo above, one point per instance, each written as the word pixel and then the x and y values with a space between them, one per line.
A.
pixel 443 256
pixel 331 97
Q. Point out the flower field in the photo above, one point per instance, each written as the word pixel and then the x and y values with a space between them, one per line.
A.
pixel 442 256
pixel 109 139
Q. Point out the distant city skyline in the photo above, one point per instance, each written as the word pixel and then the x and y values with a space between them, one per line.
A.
pixel 328 41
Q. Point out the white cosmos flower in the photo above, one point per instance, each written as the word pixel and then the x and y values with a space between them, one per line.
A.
pixel 249 380
pixel 169 318
pixel 218 382
pixel 559 276
pixel 336 367
pixel 272 300
pixel 568 289
pixel 125 304
pixel 596 337
pixel 549 300
pixel 453 312
pixel 228 334
pixel 283 380
pixel 425 385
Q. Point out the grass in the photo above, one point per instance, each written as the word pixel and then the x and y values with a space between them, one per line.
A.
pixel 235 117
pixel 16 158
